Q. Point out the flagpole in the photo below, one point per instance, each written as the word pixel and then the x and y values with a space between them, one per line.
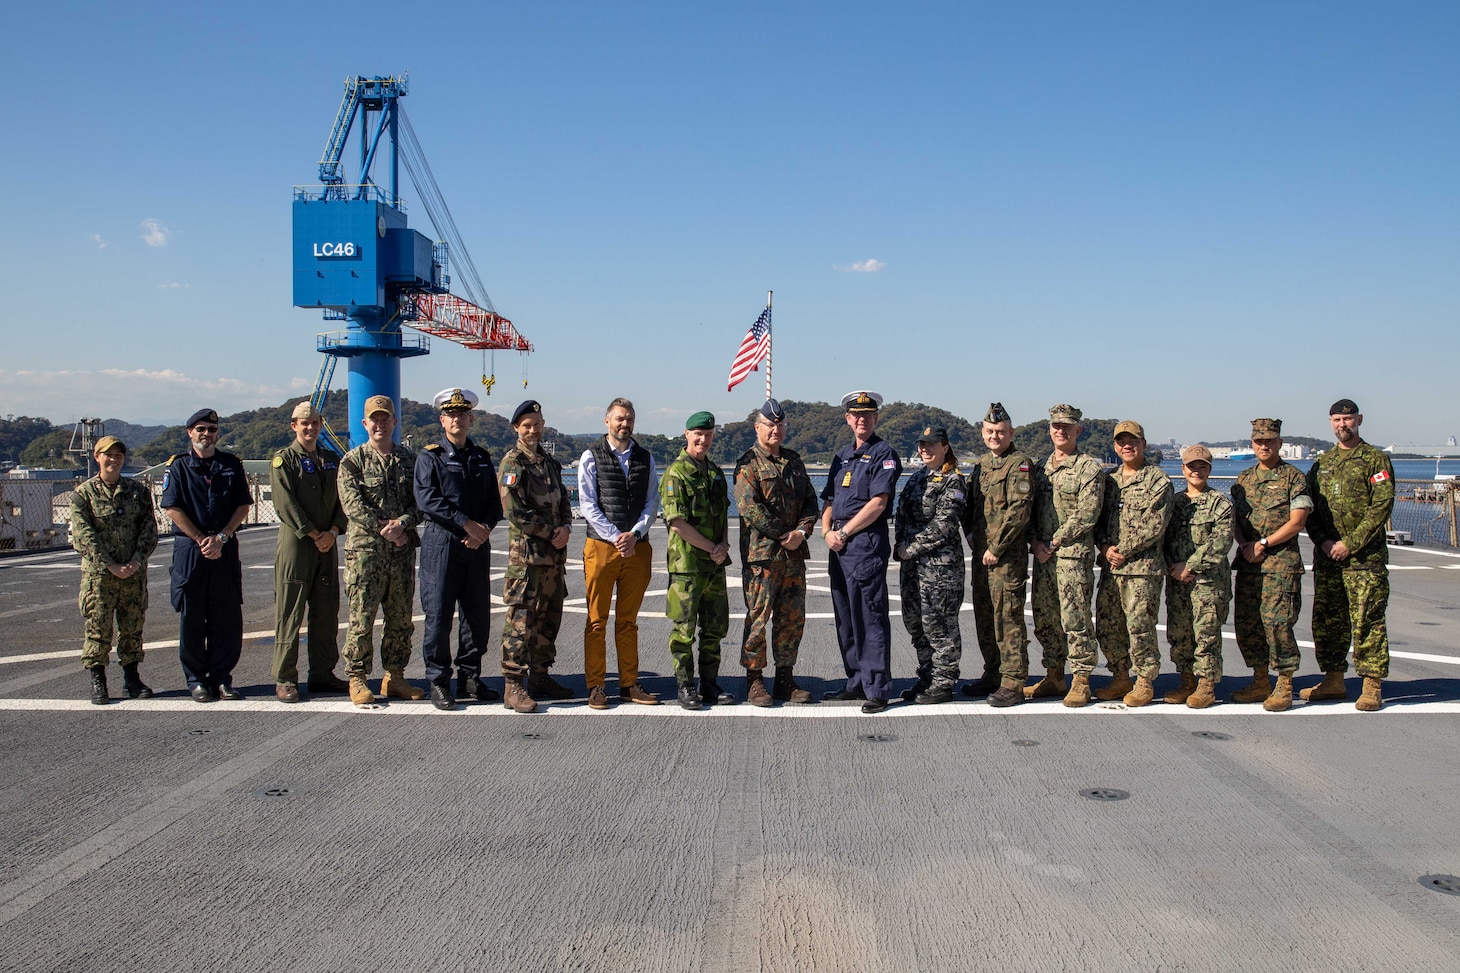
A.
pixel 770 339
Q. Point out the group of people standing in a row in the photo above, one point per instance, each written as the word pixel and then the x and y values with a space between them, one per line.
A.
pixel 387 502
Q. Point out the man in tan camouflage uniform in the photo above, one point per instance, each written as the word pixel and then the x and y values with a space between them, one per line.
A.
pixel 303 476
pixel 1198 581
pixel 1000 546
pixel 535 504
pixel 778 511
pixel 376 485
pixel 1353 495
pixel 1134 515
pixel 114 529
pixel 1271 505
pixel 1068 495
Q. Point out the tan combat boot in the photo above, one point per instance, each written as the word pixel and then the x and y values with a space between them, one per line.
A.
pixel 1079 694
pixel 1052 685
pixel 1141 694
pixel 394 684
pixel 1330 688
pixel 1204 695
pixel 515 697
pixel 1117 688
pixel 1182 692
pixel 1256 691
pixel 1281 698
pixel 1372 697
pixel 360 693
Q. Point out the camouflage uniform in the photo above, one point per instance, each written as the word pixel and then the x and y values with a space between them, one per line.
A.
pixel 1269 594
pixel 1133 518
pixel 535 504
pixel 928 523
pixel 378 574
pixel 1353 497
pixel 306 498
pixel 694 491
pixel 1004 505
pixel 1067 503
pixel 774 495
pixel 112 525
pixel 1200 535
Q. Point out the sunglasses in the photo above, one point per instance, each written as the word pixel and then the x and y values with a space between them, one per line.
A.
pixel 208 429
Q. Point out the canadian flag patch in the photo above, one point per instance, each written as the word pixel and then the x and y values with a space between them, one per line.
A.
pixel 1379 477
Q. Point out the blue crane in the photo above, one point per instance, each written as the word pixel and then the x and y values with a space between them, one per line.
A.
pixel 356 259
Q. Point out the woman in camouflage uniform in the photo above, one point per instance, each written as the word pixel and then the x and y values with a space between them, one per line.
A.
pixel 930 546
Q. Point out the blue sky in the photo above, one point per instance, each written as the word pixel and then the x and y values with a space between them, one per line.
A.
pixel 1186 214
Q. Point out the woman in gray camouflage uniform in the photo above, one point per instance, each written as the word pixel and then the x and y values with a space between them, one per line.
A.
pixel 929 544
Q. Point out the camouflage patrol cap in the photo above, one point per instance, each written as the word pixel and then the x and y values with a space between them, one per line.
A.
pixel 1267 428
pixel 304 410
pixel 379 403
pixel 997 413
pixel 1065 413
pixel 934 434
pixel 106 443
pixel 1130 426
pixel 1344 407
pixel 1196 452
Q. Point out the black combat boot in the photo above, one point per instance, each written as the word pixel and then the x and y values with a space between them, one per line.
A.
pixel 99 694
pixel 133 684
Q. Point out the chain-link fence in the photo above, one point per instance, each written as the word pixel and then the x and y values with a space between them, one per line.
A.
pixel 259 487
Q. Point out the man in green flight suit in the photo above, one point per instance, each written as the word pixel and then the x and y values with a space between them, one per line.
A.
pixel 1353 495
pixel 114 529
pixel 304 476
pixel 696 505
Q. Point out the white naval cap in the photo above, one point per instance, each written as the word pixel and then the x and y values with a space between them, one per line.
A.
pixel 455 399
pixel 862 401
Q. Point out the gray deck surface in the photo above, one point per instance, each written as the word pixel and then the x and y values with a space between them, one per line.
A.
pixel 142 835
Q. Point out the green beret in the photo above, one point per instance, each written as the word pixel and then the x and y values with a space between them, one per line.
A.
pixel 700 420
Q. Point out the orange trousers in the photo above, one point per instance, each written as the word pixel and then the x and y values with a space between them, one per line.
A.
pixel 603 570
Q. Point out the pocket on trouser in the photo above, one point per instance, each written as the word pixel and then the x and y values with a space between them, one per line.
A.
pixel 679 599
pixel 515 592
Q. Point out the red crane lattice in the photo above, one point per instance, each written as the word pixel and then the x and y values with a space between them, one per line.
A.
pixel 459 320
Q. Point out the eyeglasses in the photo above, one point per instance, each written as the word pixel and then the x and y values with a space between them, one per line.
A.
pixel 208 429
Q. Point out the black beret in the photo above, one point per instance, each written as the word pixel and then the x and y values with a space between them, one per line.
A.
pixel 1344 407
pixel 526 408
pixel 202 415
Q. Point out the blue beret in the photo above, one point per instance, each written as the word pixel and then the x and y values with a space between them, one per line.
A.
pixel 526 408
pixel 202 415
pixel 772 410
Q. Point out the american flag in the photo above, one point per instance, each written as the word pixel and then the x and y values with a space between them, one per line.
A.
pixel 754 347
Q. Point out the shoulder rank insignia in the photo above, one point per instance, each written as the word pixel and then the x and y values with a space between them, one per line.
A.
pixel 278 461
pixel 172 457
pixel 433 447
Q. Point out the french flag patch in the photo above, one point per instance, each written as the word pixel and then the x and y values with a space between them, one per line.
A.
pixel 1379 477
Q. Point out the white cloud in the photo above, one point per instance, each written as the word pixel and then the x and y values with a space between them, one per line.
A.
pixel 174 286
pixel 100 243
pixel 154 233
pixel 132 394
pixel 869 266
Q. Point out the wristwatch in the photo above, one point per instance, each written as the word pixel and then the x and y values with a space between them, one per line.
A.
pixel 1263 542
pixel 223 537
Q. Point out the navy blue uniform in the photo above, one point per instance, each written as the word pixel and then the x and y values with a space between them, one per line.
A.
pixel 207 594
pixel 454 486
pixel 858 574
